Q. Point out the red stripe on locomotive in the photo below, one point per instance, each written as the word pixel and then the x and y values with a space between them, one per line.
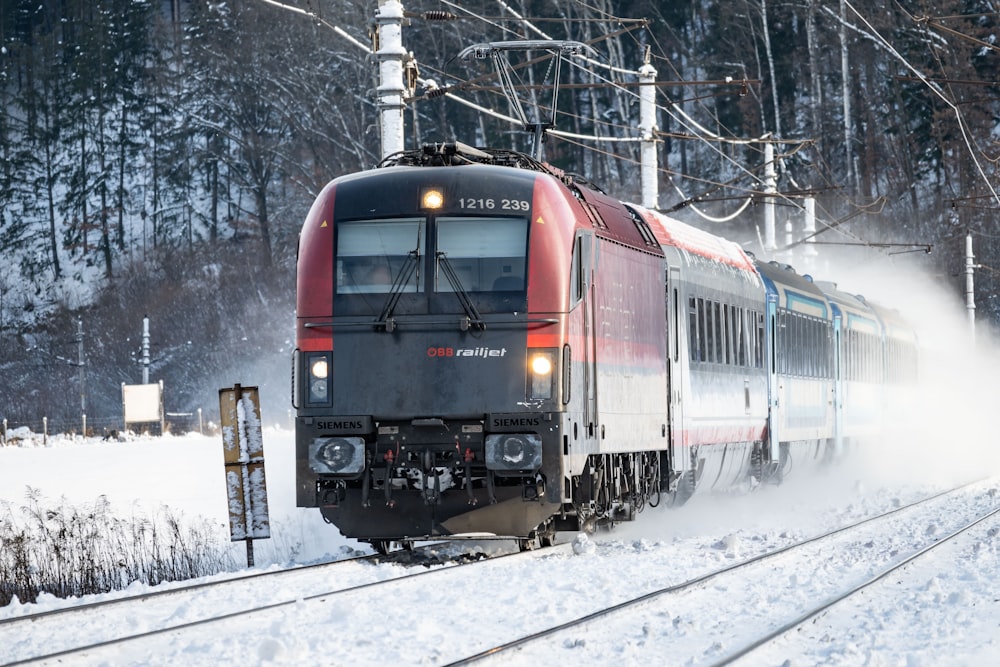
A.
pixel 553 223
pixel 314 288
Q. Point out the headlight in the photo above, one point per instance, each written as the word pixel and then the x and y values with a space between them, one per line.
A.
pixel 337 456
pixel 318 380
pixel 520 452
pixel 431 198
pixel 540 366
pixel 317 391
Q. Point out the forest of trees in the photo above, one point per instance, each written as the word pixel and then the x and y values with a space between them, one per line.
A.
pixel 158 156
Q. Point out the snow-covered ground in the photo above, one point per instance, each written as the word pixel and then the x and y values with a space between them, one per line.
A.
pixel 942 612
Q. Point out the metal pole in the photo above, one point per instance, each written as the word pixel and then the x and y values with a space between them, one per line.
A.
pixel 647 129
pixel 163 414
pixel 80 362
pixel 970 298
pixel 810 227
pixel 390 54
pixel 145 349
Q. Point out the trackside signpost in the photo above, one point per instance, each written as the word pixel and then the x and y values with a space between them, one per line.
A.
pixel 243 449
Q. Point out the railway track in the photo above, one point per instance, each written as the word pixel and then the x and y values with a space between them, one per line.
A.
pixel 851 594
pixel 209 602
pixel 396 613
pixel 789 576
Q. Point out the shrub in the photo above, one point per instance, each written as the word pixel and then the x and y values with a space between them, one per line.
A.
pixel 72 551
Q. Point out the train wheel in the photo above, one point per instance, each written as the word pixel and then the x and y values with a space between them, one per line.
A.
pixel 381 546
pixel 547 534
pixel 526 544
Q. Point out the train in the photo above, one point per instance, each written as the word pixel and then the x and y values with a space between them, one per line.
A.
pixel 490 347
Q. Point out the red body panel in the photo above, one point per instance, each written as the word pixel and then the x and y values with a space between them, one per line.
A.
pixel 314 289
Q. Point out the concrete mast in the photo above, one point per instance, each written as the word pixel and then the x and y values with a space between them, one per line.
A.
pixel 390 54
pixel 647 130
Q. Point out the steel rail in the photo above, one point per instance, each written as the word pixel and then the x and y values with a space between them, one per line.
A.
pixel 59 655
pixel 854 590
pixel 696 581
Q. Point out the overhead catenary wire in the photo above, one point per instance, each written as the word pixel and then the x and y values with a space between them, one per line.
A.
pixel 493 113
pixel 530 26
pixel 697 131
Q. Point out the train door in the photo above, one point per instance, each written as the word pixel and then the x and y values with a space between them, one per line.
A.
pixel 676 367
pixel 773 389
pixel 590 417
pixel 838 383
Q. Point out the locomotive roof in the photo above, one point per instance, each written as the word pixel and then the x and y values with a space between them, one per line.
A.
pixel 611 218
pixel 456 154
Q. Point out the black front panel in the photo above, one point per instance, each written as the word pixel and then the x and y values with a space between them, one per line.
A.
pixel 468 190
pixel 425 293
pixel 428 371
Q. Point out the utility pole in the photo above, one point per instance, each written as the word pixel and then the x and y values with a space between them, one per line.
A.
pixel 647 130
pixel 970 297
pixel 145 349
pixel 80 364
pixel 810 226
pixel 390 53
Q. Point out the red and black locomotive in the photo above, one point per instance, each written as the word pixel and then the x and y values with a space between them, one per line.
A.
pixel 489 346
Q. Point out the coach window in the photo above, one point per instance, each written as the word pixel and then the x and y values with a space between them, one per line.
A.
pixel 371 254
pixel 694 342
pixel 759 345
pixel 719 332
pixel 739 350
pixel 487 254
pixel 705 330
pixel 727 328
pixel 780 362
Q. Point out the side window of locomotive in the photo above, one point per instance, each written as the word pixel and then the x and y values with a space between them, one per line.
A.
pixel 486 254
pixel 372 254
pixel 576 272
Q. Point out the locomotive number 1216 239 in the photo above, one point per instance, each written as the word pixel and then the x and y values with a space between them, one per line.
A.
pixel 491 204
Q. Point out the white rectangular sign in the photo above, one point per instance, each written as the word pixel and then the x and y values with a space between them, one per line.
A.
pixel 142 402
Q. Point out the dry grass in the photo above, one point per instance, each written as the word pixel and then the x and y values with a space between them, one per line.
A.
pixel 73 551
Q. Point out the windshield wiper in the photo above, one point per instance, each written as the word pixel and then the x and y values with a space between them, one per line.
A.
pixel 473 318
pixel 402 278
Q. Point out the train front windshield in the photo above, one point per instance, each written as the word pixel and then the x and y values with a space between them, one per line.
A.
pixel 445 254
pixel 372 253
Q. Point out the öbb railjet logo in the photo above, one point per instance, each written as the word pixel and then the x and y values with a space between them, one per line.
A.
pixel 436 352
